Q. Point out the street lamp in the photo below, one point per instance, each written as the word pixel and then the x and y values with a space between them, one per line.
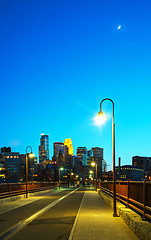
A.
pixel 30 155
pixel 93 164
pixel 60 169
pixel 92 176
pixel 101 117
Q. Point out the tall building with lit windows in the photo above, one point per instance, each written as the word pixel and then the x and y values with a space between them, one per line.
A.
pixel 44 148
pixel 58 147
pixel 82 153
pixel 12 162
pixel 98 158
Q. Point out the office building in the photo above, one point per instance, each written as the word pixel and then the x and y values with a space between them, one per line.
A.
pixel 32 162
pixel 129 172
pixel 97 152
pixel 68 143
pixel 58 147
pixel 98 158
pixel 44 148
pixel 82 153
pixel 2 169
pixel 89 155
pixel 143 163
pixel 5 149
pixel 12 164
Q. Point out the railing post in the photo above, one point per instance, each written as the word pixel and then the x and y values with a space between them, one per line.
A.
pixel 20 188
pixel 26 189
pixel 127 193
pixel 144 199
pixel 119 190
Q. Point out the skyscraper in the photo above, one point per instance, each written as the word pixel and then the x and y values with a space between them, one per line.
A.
pixel 98 157
pixel 82 153
pixel 89 155
pixel 97 152
pixel 58 146
pixel 44 148
pixel 68 143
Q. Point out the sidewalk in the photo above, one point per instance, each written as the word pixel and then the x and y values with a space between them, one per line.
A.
pixel 95 221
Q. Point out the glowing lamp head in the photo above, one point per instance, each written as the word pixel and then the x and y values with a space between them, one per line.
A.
pixel 93 164
pixel 61 169
pixel 31 155
pixel 91 171
pixel 100 119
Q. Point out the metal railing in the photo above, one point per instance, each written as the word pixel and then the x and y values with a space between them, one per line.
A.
pixel 13 189
pixel 136 195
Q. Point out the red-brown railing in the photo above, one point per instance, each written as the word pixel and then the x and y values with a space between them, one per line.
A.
pixel 13 189
pixel 136 195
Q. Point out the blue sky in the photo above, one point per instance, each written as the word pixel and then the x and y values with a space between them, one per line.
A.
pixel 59 59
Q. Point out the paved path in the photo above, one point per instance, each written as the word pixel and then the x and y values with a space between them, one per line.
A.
pixel 84 215
pixel 95 221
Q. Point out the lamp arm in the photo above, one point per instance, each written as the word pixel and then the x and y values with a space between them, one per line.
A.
pixel 110 101
pixel 27 148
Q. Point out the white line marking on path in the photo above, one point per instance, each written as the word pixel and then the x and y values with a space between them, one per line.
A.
pixel 10 232
pixel 75 222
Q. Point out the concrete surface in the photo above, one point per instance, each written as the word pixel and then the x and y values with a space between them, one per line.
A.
pixel 95 221
pixel 141 228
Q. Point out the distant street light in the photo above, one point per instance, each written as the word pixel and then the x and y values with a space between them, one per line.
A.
pixel 28 155
pixel 100 117
pixel 92 176
pixel 93 164
pixel 60 169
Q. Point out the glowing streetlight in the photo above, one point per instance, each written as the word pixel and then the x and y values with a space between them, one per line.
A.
pixel 93 164
pixel 99 119
pixel 100 114
pixel 28 155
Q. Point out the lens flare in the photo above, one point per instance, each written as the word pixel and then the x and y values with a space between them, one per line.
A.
pixel 99 119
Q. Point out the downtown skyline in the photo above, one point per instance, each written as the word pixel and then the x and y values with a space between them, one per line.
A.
pixel 59 60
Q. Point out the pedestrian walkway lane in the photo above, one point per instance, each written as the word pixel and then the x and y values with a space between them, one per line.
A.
pixel 95 221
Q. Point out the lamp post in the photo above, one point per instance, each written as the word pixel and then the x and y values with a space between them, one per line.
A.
pixel 113 152
pixel 60 169
pixel 30 155
pixel 95 164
